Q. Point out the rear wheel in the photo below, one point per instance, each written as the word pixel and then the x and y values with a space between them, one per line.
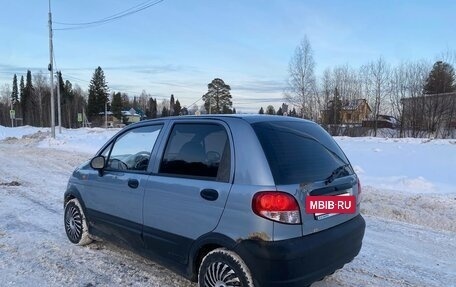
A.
pixel 75 223
pixel 223 268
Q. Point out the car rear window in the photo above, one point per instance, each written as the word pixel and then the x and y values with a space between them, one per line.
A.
pixel 298 152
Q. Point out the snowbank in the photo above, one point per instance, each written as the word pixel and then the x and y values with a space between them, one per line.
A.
pixel 411 165
pixel 19 132
pixel 86 140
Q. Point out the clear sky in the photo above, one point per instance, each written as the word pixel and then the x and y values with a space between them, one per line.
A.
pixel 178 46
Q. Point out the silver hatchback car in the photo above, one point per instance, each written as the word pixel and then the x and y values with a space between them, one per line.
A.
pixel 220 199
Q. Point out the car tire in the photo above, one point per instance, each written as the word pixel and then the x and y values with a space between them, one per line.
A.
pixel 75 222
pixel 222 267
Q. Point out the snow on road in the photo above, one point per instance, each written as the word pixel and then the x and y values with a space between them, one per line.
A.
pixel 34 250
pixel 410 237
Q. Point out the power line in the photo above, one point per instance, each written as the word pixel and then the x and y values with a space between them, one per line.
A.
pixel 75 78
pixel 132 10
pixel 106 18
pixel 195 102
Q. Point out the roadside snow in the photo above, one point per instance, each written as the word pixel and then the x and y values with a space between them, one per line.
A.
pixel 403 165
pixel 409 203
pixel 18 132
pixel 86 140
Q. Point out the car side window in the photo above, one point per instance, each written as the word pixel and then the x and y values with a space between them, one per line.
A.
pixel 198 150
pixel 131 151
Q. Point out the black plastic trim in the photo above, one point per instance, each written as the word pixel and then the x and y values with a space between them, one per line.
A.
pixel 301 261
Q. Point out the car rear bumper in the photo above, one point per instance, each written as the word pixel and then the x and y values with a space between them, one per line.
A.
pixel 304 260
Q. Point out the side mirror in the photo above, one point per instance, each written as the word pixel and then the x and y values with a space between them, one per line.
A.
pixel 98 162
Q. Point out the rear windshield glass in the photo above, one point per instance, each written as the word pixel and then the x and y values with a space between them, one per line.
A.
pixel 298 152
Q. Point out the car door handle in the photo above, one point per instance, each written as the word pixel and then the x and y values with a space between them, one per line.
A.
pixel 133 183
pixel 209 194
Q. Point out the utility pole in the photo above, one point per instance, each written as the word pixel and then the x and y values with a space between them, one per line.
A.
pixel 51 70
pixel 59 113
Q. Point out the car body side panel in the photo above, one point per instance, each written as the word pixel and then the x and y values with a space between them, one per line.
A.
pixel 251 165
pixel 238 221
pixel 174 203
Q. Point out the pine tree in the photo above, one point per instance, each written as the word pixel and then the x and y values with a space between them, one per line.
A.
pixel 270 110
pixel 60 82
pixel 335 106
pixel 280 111
pixel 68 102
pixel 98 93
pixel 441 79
pixel 28 105
pixel 218 98
pixel 22 96
pixel 116 105
pixel 293 113
pixel 125 102
pixel 14 93
pixel 261 111
pixel 177 108
pixel 152 108
pixel 171 105
pixel 165 112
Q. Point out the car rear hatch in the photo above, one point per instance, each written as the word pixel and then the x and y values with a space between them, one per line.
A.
pixel 305 160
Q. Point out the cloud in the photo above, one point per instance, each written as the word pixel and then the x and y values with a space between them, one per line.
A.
pixel 260 86
pixel 13 69
pixel 141 69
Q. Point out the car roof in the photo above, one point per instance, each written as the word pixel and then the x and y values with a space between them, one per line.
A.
pixel 250 118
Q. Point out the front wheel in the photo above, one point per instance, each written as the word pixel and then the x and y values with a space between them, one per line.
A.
pixel 223 268
pixel 75 223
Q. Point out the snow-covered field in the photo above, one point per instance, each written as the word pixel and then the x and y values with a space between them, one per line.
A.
pixel 409 202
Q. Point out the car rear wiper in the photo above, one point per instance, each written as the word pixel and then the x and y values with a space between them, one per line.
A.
pixel 337 172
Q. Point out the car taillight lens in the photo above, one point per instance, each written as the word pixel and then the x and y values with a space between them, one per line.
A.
pixel 358 200
pixel 277 206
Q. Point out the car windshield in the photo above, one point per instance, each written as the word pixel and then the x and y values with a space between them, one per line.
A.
pixel 299 152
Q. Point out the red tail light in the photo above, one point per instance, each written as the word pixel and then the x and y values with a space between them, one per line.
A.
pixel 276 206
pixel 359 192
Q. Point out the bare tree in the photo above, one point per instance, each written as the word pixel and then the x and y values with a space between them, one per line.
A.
pixel 40 82
pixel 376 78
pixel 5 94
pixel 5 104
pixel 406 101
pixel 301 90
pixel 143 100
pixel 347 82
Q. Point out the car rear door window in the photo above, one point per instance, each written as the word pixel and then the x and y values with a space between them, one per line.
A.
pixel 131 151
pixel 298 152
pixel 197 150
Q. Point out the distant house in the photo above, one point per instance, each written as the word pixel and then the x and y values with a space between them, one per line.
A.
pixel 383 121
pixel 430 112
pixel 109 121
pixel 131 116
pixel 350 112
